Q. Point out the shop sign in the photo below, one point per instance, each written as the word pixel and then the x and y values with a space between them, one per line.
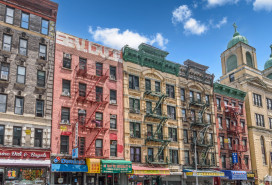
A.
pixel 207 174
pixel 226 140
pixel 75 153
pixel 234 158
pixel 93 165
pixel 116 168
pixel 28 132
pixel 151 172
pixel 59 160
pixel 76 135
pixel 63 128
pixel 250 175
pixel 19 154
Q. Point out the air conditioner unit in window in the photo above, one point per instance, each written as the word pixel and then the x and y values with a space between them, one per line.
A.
pixel 4 77
pixel 67 55
pixel 65 121
pixel 112 116
pixel 112 77
pixel 112 101
pixel 66 93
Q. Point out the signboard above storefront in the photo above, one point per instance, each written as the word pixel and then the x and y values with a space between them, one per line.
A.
pixel 93 165
pixel 204 173
pixel 24 154
pixel 116 166
pixel 59 160
pixel 235 175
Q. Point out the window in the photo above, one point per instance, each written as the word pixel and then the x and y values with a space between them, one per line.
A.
pixel 113 148
pixel 64 144
pixel 4 73
pixel 149 131
pixel 65 115
pixel 21 71
pixel 230 161
pixel 171 112
pixel 9 15
pixel 66 87
pixel 226 102
pixel 82 89
pixel 194 135
pixel 81 116
pixel 41 78
pixel 263 150
pixel 242 125
pixel 198 97
pixel 7 43
pixel 183 114
pixel 150 154
pixel 185 136
pixel 3 103
pixel 193 116
pixel 147 85
pixel 135 154
pixel 39 108
pixel 223 160
pixel 231 77
pixel 244 141
pixel 159 110
pixel 182 94
pixel 246 160
pixel 187 157
pixel 25 20
pixel 133 82
pixel 42 52
pixel 172 133
pixel 82 64
pixel 113 121
pixel 99 69
pixel 170 91
pixel 218 103
pixel 99 119
pixel 38 137
pixel 209 119
pixel 2 134
pixel 241 109
pixel 113 99
pixel 45 25
pixel 212 159
pixel 191 95
pixel 134 105
pixel 221 139
pixel 270 122
pixel 112 72
pixel 99 93
pixel 230 142
pixel 23 47
pixel 148 107
pixel 257 99
pixel 19 105
pixel 66 61
pixel 210 139
pixel 160 133
pixel 228 123
pixel 135 130
pixel 99 147
pixel 269 103
pixel 157 86
pixel 220 122
pixel 17 136
pixel 207 99
pixel 81 146
pixel 259 120
pixel 173 156
pixel 161 156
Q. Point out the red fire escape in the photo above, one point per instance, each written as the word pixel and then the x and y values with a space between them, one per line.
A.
pixel 235 130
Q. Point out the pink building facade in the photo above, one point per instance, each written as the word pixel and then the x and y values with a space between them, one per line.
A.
pixel 87 106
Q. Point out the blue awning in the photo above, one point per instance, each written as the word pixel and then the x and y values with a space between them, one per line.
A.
pixel 68 168
pixel 235 175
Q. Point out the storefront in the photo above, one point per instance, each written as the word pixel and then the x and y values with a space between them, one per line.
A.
pixel 234 177
pixel 68 171
pixel 204 177
pixel 250 179
pixel 142 175
pixel 175 178
pixel 24 166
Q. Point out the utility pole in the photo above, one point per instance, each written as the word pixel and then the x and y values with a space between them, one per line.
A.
pixel 196 163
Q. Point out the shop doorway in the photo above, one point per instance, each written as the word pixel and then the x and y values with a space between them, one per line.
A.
pixel 1 178
pixel 77 180
pixel 90 180
pixel 101 181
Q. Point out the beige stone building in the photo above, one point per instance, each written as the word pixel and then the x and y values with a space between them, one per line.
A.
pixel 239 68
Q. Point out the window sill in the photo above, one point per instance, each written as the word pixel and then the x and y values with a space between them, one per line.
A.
pixel 135 137
pixel 138 90
pixel 42 61
pixel 22 57
pixel 40 90
pixel 67 69
pixel 19 86
pixel 2 81
pixel 114 104
pixel 6 54
pixel 112 80
pixel 114 129
pixel 62 95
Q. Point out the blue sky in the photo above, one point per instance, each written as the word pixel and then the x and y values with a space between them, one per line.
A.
pixel 198 30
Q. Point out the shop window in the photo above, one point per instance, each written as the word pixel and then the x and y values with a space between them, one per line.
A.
pixel 134 105
pixel 82 64
pixel 99 94
pixel 173 156
pixel 99 69
pixel 99 147
pixel 67 61
pixel 171 112
pixel 43 52
pixel 21 73
pixel 17 136
pixel 112 72
pixel 113 148
pixel 187 157
pixel 185 136
pixel 81 146
pixel 150 155
pixel 259 120
pixel 135 154
pixel 157 86
pixel 133 82
pixel 9 15
pixel 82 89
pixel 81 116
pixel 3 102
pixel 170 91
pixel 99 119
pixel 148 107
pixel 135 130
pixel 39 108
pixel 172 133
pixel 38 137
pixel 182 94
pixel 25 20
pixel 19 105
pixel 257 100
pixel 4 73
pixel 23 47
pixel 2 134
pixel 149 131
pixel 147 85
pixel 41 78
pixel 113 121
pixel 64 144
pixel 65 115
pixel 66 84
pixel 113 99
pixel 45 27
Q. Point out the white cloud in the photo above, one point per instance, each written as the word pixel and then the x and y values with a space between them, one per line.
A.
pixel 262 5
pixel 222 22
pixel 212 3
pixel 181 13
pixel 194 27
pixel 114 38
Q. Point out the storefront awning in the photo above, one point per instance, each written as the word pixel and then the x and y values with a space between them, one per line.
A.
pixel 116 166
pixel 25 162
pixel 142 170
pixel 68 168
pixel 235 175
pixel 203 173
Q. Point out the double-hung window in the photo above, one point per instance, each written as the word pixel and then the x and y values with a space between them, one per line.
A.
pixel 82 64
pixel 2 134
pixel 99 93
pixel 113 148
pixel 23 47
pixel 81 146
pixel 113 99
pixel 6 42
pixel 170 91
pixel 113 121
pixel 45 27
pixel 21 72
pixel 173 156
pixel 3 102
pixel 19 105
pixel 4 71
pixel 220 123
pixel 38 137
pixel 221 139
pixel 133 82
pixel 112 72
pixel 149 131
pixel 134 105
pixel 66 87
pixel 172 133
pixel 17 136
pixel 9 15
pixel 135 130
pixel 82 89
pixel 41 78
pixel 218 103
pixel 207 99
pixel 187 157
pixel 147 85
pixel 157 86
pixel 99 119
pixel 64 144
pixel 191 95
pixel 43 52
pixel 270 122
pixel 193 115
pixel 135 154
pixel 148 107
pixel 81 116
pixel 198 97
pixel 223 161
pixel 269 103
pixel 25 20
pixel 67 60
pixel 99 69
pixel 185 136
pixel 150 154
pixel 182 94
pixel 257 99
pixel 183 114
pixel 99 147
pixel 259 120
pixel 65 115
pixel 39 108
pixel 171 112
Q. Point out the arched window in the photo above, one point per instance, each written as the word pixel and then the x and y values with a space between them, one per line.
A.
pixel 269 76
pixel 263 150
pixel 231 63
pixel 249 59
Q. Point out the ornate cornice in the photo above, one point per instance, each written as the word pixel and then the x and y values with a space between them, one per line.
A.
pixel 229 91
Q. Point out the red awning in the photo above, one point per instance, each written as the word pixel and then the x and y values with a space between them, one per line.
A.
pixel 143 170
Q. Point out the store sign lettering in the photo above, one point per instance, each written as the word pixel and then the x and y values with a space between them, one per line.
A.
pixel 68 161
pixel 24 154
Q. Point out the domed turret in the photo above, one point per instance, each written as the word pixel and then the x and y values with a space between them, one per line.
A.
pixel 237 38
pixel 268 63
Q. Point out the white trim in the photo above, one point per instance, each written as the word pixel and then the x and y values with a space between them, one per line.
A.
pixel 26 162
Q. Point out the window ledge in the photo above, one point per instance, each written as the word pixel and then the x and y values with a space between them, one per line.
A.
pixel 65 96
pixel 19 86
pixel 114 129
pixel 4 81
pixel 135 137
pixel 22 57
pixel 40 90
pixel 67 69
pixel 6 54
pixel 113 80
pixel 114 104
pixel 41 61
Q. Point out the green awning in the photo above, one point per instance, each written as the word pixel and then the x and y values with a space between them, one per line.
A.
pixel 116 166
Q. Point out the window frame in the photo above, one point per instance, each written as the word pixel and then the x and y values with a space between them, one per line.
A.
pixel 42 109
pixel 21 25
pixel 15 106
pixel 42 56
pixel 157 86
pixel 97 68
pixel 114 148
pixel 115 120
pixel 47 28
pixel 171 112
pixel 135 155
pixel 38 137
pixel 257 100
pixel 132 128
pixel 6 15
pixel 182 94
pixel 147 84
pixel 4 103
pixel 113 96
pixel 24 75
pixel 185 136
pixel 82 87
pixel 173 134
pixel 66 88
pixel 113 75
pixel 134 82
pixel 170 91
pixel 20 47
pixel 64 145
pixel 2 71
pixel 18 137
pixel 172 155
pixel 5 43
pixel 62 116
pixel 150 154
pixel 133 108
pixel 99 149
pixel 40 80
